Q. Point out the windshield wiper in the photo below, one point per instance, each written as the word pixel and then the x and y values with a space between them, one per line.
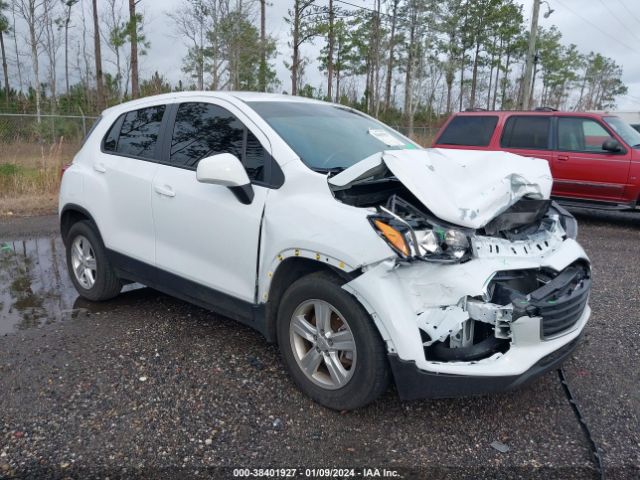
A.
pixel 332 170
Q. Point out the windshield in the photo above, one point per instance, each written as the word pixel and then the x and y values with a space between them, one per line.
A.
pixel 630 135
pixel 328 137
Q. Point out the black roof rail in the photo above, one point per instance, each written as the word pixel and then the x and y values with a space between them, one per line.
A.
pixel 475 109
pixel 545 109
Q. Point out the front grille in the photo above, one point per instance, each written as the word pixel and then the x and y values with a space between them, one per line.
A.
pixel 560 302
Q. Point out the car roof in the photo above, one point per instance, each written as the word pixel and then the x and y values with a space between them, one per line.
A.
pixel 541 113
pixel 228 95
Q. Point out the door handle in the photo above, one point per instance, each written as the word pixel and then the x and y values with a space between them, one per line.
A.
pixel 563 158
pixel 99 167
pixel 166 190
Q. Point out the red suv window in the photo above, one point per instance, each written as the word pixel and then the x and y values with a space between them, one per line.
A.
pixel 526 131
pixel 473 131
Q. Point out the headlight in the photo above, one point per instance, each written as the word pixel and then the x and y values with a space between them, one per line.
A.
pixel 435 244
pixel 396 239
pixel 444 244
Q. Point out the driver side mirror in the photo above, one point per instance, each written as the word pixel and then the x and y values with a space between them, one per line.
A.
pixel 611 145
pixel 227 170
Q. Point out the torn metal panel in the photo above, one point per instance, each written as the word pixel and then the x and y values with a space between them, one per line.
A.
pixel 442 322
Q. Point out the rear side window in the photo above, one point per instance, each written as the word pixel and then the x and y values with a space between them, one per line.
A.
pixel 526 132
pixel 203 129
pixel 472 130
pixel 135 134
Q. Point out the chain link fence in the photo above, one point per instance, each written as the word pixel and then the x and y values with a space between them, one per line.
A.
pixel 422 135
pixel 27 141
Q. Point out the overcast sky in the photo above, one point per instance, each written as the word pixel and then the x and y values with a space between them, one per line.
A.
pixel 604 26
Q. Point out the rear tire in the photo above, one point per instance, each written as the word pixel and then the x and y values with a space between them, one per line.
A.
pixel 89 268
pixel 341 361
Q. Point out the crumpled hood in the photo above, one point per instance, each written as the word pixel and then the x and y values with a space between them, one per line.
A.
pixel 464 187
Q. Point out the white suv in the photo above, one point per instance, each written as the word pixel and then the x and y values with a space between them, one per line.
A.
pixel 364 256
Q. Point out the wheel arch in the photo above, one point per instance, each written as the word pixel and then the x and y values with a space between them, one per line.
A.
pixel 287 272
pixel 71 214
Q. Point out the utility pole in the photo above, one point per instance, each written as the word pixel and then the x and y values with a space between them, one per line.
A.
pixel 262 75
pixel 100 103
pixel 133 32
pixel 526 87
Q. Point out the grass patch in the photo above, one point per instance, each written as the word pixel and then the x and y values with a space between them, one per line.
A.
pixel 30 177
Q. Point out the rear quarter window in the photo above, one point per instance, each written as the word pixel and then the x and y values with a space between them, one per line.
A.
pixel 135 134
pixel 472 131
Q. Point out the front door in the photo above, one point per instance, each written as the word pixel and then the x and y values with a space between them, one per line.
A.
pixel 203 232
pixel 582 169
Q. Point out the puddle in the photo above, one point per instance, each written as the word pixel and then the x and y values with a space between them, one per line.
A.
pixel 35 288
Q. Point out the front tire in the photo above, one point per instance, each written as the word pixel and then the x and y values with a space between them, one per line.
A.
pixel 329 344
pixel 89 268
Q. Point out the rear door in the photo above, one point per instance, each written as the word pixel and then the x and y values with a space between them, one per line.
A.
pixel 204 233
pixel 120 187
pixel 530 136
pixel 582 168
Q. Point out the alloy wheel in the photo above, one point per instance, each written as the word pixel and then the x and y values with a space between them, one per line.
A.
pixel 322 343
pixel 83 262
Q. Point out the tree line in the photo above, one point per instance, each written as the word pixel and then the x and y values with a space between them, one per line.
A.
pixel 405 61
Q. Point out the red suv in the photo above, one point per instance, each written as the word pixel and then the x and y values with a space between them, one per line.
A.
pixel 594 158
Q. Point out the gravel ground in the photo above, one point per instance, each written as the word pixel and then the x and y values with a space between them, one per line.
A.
pixel 147 385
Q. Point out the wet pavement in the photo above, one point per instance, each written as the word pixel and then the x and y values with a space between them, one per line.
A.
pixel 147 385
pixel 35 289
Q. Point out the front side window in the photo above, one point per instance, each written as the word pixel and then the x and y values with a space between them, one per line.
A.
pixel 526 131
pixel 581 135
pixel 471 130
pixel 328 137
pixel 138 135
pixel 202 130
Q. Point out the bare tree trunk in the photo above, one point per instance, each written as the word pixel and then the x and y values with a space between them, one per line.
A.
pixel 15 41
pixel 390 62
pixel 505 80
pixel 462 79
pixel 449 82
pixel 133 25
pixel 35 59
pixel 263 46
pixel 51 50
pixel 495 87
pixel 474 77
pixel 338 69
pixel 4 70
pixel 330 44
pixel 408 80
pixel 375 77
pixel 98 57
pixel 295 60
pixel 493 56
pixel 67 20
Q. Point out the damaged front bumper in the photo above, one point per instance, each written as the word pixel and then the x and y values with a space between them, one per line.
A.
pixel 413 383
pixel 489 324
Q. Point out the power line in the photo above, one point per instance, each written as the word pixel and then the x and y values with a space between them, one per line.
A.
pixel 629 10
pixel 596 27
pixel 363 8
pixel 613 14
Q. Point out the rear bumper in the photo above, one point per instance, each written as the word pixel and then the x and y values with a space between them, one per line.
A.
pixel 413 383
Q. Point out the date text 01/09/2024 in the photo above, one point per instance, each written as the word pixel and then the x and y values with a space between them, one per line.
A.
pixel 315 473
